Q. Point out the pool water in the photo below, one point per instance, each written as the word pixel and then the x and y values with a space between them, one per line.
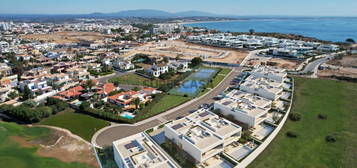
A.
pixel 127 116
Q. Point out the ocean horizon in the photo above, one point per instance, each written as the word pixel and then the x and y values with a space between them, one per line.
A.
pixel 336 29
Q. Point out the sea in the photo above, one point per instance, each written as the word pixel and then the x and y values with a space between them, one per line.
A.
pixel 336 29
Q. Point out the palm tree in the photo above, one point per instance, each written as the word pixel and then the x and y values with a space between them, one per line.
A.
pixel 137 102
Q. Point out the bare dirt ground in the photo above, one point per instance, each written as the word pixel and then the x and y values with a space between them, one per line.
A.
pixel 346 61
pixel 66 37
pixel 343 66
pixel 61 146
pixel 342 71
pixel 188 51
pixel 278 62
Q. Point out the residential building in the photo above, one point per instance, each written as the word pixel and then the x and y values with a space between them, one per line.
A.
pixel 263 87
pixel 328 47
pixel 202 134
pixel 72 93
pixel 158 69
pixel 78 73
pixel 269 72
pixel 244 107
pixel 123 65
pixel 138 151
pixel 5 70
pixel 181 65
pixel 35 85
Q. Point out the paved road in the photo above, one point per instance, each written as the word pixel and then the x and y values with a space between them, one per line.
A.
pixel 313 66
pixel 106 136
pixel 104 79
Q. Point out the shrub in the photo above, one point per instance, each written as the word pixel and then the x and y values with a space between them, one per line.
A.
pixel 185 95
pixel 149 130
pixel 330 138
pixel 291 134
pixel 322 116
pixel 295 116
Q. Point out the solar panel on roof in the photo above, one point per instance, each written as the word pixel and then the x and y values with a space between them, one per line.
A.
pixel 177 126
pixel 129 145
pixel 204 114
pixel 227 103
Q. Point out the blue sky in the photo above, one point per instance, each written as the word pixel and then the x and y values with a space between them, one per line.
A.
pixel 236 7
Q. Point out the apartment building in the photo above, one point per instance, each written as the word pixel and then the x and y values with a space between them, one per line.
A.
pixel 202 134
pixel 138 151
pixel 244 107
pixel 269 72
pixel 263 87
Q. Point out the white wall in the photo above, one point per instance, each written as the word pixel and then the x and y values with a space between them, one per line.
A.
pixel 250 158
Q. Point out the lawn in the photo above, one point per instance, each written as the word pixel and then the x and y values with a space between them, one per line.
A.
pixel 12 155
pixel 134 79
pixel 82 125
pixel 163 104
pixel 335 99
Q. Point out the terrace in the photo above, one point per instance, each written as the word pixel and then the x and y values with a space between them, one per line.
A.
pixel 261 131
pixel 138 151
pixel 239 151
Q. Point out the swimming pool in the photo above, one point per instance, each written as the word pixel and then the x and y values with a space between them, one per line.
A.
pixel 128 116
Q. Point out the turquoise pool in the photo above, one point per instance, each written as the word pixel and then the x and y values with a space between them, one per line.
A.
pixel 127 116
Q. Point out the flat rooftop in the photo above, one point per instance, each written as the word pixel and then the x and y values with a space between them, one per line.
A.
pixel 201 137
pixel 221 126
pixel 138 151
pixel 242 107
pixel 263 83
pixel 249 98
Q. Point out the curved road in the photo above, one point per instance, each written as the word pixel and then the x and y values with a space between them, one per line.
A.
pixel 313 66
pixel 107 135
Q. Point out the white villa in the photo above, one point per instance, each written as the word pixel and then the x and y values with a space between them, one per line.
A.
pixel 328 47
pixel 244 107
pixel 158 69
pixel 269 72
pixel 138 151
pixel 202 134
pixel 263 87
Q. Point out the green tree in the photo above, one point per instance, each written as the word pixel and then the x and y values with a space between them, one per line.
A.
pixel 27 94
pixel 196 61
pixel 89 84
pixel 251 31
pixel 137 102
pixel 350 40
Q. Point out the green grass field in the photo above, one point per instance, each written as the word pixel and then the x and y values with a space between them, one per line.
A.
pixel 166 102
pixel 134 79
pixel 82 125
pixel 337 100
pixel 12 155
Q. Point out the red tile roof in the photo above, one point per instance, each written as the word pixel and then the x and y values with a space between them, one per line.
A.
pixel 107 88
pixel 73 92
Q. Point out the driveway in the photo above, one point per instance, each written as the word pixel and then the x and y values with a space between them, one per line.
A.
pixel 106 136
